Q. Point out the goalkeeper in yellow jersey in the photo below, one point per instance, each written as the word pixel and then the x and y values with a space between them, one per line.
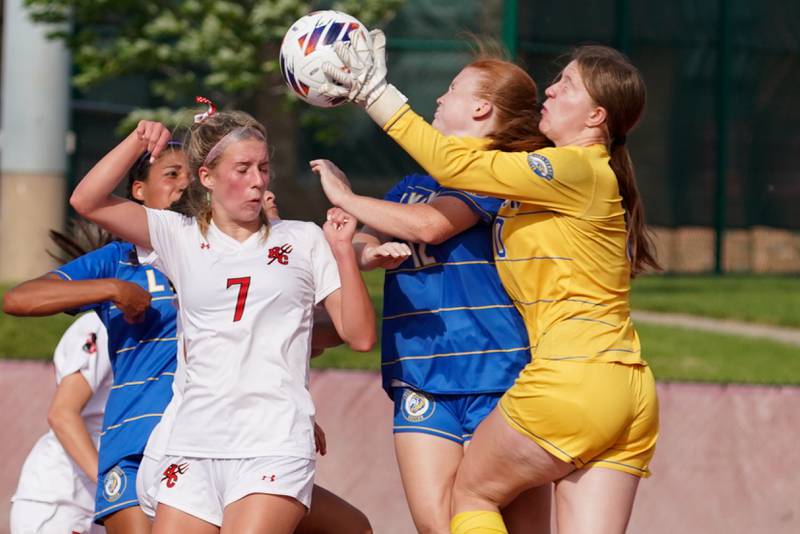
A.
pixel 584 412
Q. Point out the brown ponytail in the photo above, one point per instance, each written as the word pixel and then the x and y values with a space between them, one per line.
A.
pixel 616 85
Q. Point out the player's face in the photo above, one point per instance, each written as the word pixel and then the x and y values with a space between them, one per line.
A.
pixel 239 180
pixel 567 108
pixel 454 109
pixel 271 206
pixel 167 179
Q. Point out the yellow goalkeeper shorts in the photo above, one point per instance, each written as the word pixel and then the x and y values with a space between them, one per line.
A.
pixel 587 414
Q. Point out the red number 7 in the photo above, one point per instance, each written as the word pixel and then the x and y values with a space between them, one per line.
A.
pixel 244 285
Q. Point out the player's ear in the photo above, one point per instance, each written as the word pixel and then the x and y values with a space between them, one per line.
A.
pixel 205 178
pixel 137 190
pixel 481 109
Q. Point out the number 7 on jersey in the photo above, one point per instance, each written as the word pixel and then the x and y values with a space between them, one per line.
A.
pixel 244 286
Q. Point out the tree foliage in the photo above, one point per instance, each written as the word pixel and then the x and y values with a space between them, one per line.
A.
pixel 223 49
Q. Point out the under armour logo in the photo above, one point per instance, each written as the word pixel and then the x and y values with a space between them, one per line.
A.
pixel 280 253
pixel 204 245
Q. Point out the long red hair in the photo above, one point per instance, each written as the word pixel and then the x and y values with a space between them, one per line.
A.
pixel 514 96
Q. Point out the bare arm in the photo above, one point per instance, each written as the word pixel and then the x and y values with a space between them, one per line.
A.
pixel 50 294
pixel 349 306
pixel 373 251
pixel 431 223
pixel 65 419
pixel 93 197
pixel 324 334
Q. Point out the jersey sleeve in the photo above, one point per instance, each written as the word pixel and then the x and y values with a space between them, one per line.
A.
pixel 395 194
pixel 97 264
pixel 80 349
pixel 166 229
pixel 323 265
pixel 559 178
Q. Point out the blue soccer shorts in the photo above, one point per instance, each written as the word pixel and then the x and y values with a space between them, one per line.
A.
pixel 453 417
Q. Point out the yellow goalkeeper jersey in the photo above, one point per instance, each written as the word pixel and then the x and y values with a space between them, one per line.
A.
pixel 560 238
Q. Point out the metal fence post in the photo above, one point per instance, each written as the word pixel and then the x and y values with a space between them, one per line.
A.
pixel 722 123
pixel 510 28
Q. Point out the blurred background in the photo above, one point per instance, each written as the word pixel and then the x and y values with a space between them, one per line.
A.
pixel 715 157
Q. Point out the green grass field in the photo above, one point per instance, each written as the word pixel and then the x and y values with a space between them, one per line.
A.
pixel 674 353
pixel 759 299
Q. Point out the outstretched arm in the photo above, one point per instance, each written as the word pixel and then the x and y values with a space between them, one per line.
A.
pixel 65 419
pixel 349 306
pixel 50 294
pixel 431 223
pixel 93 197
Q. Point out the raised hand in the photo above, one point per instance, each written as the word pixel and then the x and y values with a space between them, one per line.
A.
pixel 334 182
pixel 154 136
pixel 364 79
pixel 132 300
pixel 339 228
pixel 386 256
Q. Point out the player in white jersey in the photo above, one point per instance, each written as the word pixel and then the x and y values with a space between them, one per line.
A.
pixel 57 484
pixel 242 441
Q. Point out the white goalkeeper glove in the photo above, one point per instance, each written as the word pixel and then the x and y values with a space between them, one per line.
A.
pixel 364 81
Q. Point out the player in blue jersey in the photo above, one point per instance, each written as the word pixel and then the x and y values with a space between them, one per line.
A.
pixel 453 342
pixel 135 302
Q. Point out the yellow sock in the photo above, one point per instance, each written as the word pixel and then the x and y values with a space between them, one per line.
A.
pixel 478 522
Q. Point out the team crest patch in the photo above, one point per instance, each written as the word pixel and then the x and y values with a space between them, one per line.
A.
pixel 417 406
pixel 279 254
pixel 114 484
pixel 540 166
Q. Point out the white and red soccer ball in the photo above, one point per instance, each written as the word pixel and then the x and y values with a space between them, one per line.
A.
pixel 308 44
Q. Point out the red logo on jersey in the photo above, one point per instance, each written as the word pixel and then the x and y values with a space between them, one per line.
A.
pixel 271 478
pixel 204 245
pixel 171 473
pixel 280 253
pixel 90 347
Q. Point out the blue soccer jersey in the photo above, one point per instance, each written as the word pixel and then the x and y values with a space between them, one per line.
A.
pixel 143 355
pixel 448 325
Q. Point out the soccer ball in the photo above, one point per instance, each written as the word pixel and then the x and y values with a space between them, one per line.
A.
pixel 307 46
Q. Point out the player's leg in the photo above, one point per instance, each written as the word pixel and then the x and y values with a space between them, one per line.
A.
pixel 596 501
pixel 428 438
pixel 260 513
pixel 499 464
pixel 599 498
pixel 428 466
pixel 130 520
pixel 189 497
pixel 170 520
pixel 267 495
pixel 330 514
pixel 529 512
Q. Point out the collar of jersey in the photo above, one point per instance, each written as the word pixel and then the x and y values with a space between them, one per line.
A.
pixel 225 242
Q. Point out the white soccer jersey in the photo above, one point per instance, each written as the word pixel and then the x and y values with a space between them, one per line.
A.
pixel 246 310
pixel 49 475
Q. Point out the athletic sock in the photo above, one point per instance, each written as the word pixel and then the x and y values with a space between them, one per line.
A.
pixel 478 522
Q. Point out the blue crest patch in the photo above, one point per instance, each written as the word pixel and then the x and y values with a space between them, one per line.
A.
pixel 540 166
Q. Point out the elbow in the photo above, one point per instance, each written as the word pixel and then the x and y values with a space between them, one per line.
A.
pixel 431 235
pixel 13 305
pixel 363 343
pixel 79 203
pixel 55 418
